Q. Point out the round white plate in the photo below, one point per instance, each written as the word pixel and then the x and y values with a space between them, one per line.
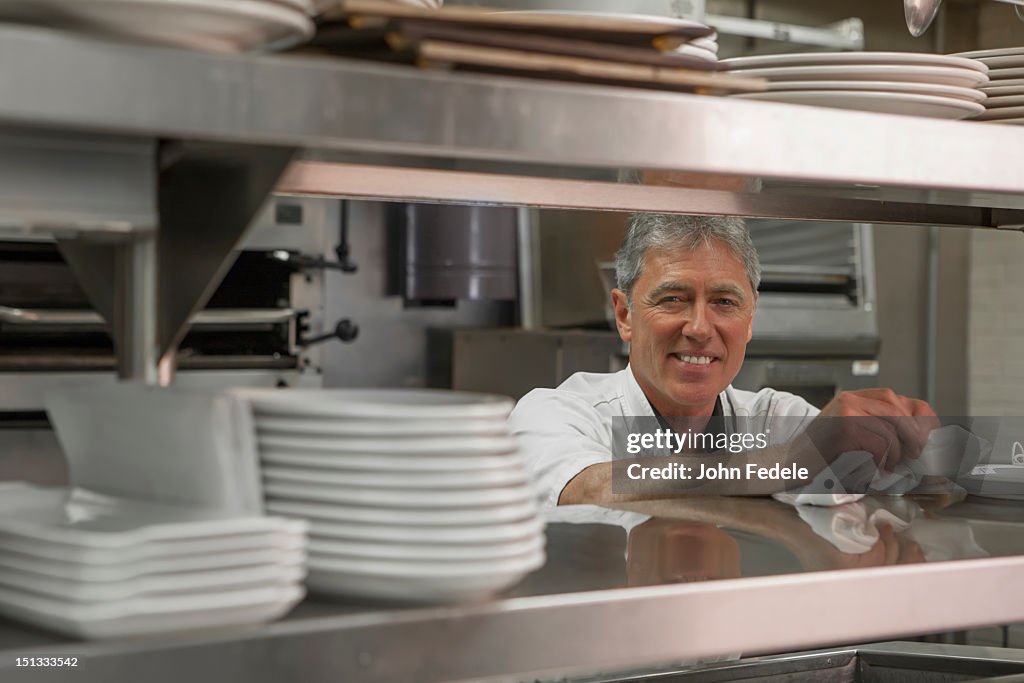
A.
pixel 965 78
pixel 997 52
pixel 414 518
pixel 969 94
pixel 388 404
pixel 211 25
pixel 1013 86
pixel 1001 113
pixel 696 52
pixel 326 426
pixel 1004 101
pixel 440 445
pixel 1012 122
pixel 710 43
pixel 851 58
pixel 880 102
pixel 439 589
pixel 476 479
pixel 1002 74
pixel 427 571
pixel 668 22
pixel 376 463
pixel 1007 62
pixel 488 534
pixel 333 549
pixel 397 498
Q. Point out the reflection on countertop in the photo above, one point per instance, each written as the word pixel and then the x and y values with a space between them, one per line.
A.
pixel 703 538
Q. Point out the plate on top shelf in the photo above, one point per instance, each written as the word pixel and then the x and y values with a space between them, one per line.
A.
pixel 1001 113
pixel 1003 74
pixel 206 25
pixel 851 58
pixel 937 89
pixel 1005 101
pixel 879 102
pixel 997 52
pixel 1011 122
pixel 1007 62
pixel 697 52
pixel 965 78
pixel 667 22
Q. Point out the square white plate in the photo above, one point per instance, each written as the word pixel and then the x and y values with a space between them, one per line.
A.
pixel 82 518
pixel 152 616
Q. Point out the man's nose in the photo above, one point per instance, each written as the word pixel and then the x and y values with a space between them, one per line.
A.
pixel 697 326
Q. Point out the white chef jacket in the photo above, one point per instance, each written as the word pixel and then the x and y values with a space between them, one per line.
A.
pixel 565 430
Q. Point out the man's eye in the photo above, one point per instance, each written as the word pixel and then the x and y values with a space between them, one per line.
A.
pixel 669 300
pixel 727 302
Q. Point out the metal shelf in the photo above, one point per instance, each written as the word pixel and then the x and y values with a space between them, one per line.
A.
pixel 423 118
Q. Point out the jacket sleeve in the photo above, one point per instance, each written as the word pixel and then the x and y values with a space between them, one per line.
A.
pixel 560 435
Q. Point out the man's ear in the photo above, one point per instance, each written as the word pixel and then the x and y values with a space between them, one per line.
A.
pixel 622 320
pixel 750 327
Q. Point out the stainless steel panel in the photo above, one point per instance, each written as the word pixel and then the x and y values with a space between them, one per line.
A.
pixel 377 182
pixel 308 102
pixel 54 183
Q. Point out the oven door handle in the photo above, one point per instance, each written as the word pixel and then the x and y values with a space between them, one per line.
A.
pixel 233 316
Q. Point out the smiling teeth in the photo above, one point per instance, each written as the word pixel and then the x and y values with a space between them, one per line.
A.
pixel 695 360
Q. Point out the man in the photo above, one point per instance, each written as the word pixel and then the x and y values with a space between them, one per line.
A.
pixel 685 302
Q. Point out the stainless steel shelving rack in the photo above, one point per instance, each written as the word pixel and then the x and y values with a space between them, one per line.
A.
pixel 147 164
pixel 135 155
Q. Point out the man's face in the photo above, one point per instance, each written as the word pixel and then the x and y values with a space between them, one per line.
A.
pixel 688 327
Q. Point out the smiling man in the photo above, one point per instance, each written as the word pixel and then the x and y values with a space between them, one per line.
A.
pixel 685 303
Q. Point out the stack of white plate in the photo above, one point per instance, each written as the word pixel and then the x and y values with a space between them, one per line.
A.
pixel 1005 89
pixel 410 494
pixel 916 84
pixel 94 566
pixel 209 25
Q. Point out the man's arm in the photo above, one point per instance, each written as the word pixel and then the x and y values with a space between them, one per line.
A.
pixel 888 426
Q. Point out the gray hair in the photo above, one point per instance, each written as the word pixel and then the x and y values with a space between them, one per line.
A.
pixel 670 231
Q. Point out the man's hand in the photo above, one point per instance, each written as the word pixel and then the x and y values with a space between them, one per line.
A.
pixel 880 421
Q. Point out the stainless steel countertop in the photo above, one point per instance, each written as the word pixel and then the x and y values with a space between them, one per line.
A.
pixel 661 583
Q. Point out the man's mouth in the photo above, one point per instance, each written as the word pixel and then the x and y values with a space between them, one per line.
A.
pixel 695 359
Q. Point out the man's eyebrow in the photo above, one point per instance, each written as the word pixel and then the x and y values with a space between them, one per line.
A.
pixel 666 287
pixel 729 288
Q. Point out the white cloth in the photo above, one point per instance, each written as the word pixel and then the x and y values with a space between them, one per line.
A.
pixel 563 431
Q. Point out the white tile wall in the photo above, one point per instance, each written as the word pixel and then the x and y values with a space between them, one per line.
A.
pixel 995 353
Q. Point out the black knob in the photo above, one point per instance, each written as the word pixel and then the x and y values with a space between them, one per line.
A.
pixel 345 331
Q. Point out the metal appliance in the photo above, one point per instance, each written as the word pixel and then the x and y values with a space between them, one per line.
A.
pixel 258 328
